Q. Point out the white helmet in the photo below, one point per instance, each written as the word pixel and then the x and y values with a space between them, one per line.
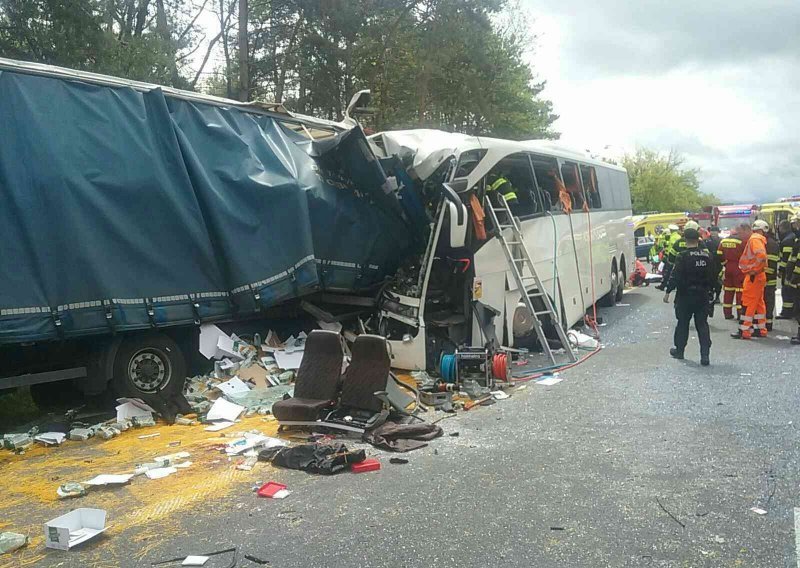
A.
pixel 761 225
pixel 673 227
pixel 691 225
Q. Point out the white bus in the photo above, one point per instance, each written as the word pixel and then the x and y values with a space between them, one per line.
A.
pixel 447 297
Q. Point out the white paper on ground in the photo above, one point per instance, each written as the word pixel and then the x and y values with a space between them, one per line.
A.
pixel 283 493
pixel 160 472
pixel 288 360
pixel 550 381
pixel 132 408
pixel 194 561
pixel 109 479
pixel 224 410
pixel 183 465
pixel 209 336
pixel 234 386
pixel 51 438
pixel 499 395
pixel 758 511
pixel 250 441
pixel 221 425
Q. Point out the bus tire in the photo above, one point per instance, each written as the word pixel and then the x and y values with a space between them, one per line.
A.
pixel 149 365
pixel 610 299
pixel 621 280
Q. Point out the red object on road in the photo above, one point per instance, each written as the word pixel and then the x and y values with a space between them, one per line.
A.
pixel 366 465
pixel 270 489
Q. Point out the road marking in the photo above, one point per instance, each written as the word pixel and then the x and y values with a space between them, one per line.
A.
pixel 797 533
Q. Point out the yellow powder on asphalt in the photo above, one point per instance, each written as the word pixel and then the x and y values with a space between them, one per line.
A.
pixel 28 482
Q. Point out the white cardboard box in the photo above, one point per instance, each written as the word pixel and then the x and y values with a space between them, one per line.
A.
pixel 66 531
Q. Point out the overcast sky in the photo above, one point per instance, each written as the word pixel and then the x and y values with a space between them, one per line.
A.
pixel 717 80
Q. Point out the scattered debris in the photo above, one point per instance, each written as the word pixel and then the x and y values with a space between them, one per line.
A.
pixel 398 461
pixel 80 525
pixel 758 511
pixel 158 473
pixel 147 436
pixel 51 438
pixel 109 479
pixel 9 542
pixel 80 434
pixel 273 490
pixel 195 560
pixel 365 466
pixel 71 489
pixel 549 381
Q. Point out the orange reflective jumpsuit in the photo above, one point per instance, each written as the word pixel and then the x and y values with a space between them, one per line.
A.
pixel 753 264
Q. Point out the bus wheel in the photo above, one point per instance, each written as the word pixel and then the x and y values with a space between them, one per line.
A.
pixel 621 280
pixel 148 365
pixel 609 299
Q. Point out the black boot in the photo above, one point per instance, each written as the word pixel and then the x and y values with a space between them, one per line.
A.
pixel 795 340
pixel 676 353
pixel 704 360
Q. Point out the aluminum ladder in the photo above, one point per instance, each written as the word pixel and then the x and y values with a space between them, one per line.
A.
pixel 518 265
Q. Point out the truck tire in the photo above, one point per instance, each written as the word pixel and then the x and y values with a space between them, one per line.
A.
pixel 149 365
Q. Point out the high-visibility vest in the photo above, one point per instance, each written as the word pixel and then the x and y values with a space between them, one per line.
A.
pixel 504 188
pixel 754 256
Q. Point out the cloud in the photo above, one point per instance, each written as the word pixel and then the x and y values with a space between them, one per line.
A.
pixel 718 82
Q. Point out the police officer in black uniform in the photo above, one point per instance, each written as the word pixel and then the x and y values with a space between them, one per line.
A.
pixel 694 279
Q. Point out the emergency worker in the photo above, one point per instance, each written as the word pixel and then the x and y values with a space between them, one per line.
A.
pixel 694 279
pixel 728 253
pixel 712 244
pixel 786 231
pixel 669 253
pixel 501 186
pixel 753 264
pixel 793 274
pixel 773 257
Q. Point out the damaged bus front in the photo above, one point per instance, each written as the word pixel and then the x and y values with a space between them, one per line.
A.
pixel 574 213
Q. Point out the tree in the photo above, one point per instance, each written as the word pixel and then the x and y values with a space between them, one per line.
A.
pixel 661 182
pixel 147 40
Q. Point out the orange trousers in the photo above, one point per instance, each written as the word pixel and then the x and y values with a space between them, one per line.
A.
pixel 754 319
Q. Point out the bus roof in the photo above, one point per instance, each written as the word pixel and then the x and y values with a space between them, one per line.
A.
pixel 429 148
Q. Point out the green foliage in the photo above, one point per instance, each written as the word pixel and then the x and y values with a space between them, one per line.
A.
pixel 434 63
pixel 116 37
pixel 453 64
pixel 660 182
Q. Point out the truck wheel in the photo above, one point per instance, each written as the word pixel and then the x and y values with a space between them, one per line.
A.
pixel 148 365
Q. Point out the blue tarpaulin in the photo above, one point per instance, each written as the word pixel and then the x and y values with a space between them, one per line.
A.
pixel 124 209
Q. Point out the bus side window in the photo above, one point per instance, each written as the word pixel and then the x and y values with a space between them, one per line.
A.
pixel 546 170
pixel 589 177
pixel 517 170
pixel 569 173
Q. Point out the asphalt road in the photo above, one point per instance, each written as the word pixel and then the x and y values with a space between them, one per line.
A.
pixel 566 475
